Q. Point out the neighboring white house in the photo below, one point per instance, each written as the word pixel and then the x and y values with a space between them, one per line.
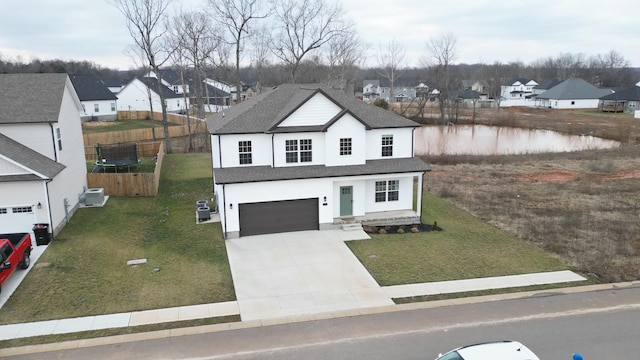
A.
pixel 135 97
pixel 43 171
pixel 573 93
pixel 371 90
pixel 172 80
pixel 98 102
pixel 517 89
pixel 307 157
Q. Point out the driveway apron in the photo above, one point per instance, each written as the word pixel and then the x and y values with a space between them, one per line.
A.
pixel 300 273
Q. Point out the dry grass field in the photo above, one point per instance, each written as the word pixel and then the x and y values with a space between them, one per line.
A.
pixel 582 206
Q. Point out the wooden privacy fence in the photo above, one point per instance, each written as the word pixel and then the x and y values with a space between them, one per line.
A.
pixel 129 184
pixel 198 126
pixel 145 149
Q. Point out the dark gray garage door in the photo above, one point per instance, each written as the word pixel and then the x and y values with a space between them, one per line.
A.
pixel 278 216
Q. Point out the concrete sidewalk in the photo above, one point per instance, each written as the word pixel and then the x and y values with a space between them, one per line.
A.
pixel 15 331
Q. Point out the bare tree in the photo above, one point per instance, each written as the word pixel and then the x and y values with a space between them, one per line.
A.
pixel 236 16
pixel 390 60
pixel 610 69
pixel 145 22
pixel 260 52
pixel 139 58
pixel 441 55
pixel 345 55
pixel 304 26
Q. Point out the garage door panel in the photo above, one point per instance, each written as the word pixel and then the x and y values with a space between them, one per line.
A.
pixel 278 216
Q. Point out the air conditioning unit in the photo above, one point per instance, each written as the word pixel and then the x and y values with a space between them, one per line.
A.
pixel 94 197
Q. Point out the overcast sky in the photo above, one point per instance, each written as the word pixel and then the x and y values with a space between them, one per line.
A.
pixel 486 30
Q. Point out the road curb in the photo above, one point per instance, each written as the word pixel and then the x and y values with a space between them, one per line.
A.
pixel 160 334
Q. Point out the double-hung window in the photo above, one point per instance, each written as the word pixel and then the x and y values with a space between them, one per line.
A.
pixel 298 151
pixel 244 151
pixel 387 190
pixel 387 145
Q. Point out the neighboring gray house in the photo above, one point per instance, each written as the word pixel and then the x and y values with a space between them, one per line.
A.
pixel 544 86
pixel 627 100
pixel 573 93
pixel 371 90
pixel 98 102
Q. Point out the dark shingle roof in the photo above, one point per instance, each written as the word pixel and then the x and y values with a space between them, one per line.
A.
pixel 262 113
pixel 89 87
pixel 268 173
pixel 170 76
pixel 574 88
pixel 29 158
pixel 547 84
pixel 152 83
pixel 31 98
pixel 631 93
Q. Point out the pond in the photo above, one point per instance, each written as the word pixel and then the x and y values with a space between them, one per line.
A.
pixel 495 140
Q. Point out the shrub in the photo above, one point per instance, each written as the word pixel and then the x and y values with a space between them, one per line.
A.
pixel 382 231
pixel 381 103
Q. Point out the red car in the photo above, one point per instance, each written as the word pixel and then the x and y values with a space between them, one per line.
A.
pixel 15 251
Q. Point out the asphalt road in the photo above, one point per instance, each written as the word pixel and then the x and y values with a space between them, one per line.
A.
pixel 602 325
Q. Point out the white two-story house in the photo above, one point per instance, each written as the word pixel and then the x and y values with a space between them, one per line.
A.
pixel 517 89
pixel 307 157
pixel 43 171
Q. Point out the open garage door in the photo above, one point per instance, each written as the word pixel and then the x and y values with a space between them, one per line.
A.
pixel 278 216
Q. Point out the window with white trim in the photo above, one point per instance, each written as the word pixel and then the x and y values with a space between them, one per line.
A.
pixel 387 190
pixel 96 108
pixel 113 106
pixel 244 151
pixel 3 211
pixel 59 139
pixel 345 146
pixel 387 145
pixel 298 151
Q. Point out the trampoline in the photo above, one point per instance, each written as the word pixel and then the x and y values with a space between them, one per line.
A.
pixel 116 157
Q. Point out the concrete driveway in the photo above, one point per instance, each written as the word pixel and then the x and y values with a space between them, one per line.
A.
pixel 298 273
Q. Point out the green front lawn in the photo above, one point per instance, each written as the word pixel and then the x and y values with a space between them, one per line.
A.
pixel 84 271
pixel 465 248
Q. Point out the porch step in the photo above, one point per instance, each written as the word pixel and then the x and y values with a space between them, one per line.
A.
pixel 351 226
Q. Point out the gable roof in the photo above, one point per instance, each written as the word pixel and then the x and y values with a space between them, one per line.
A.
pixel 152 83
pixel 263 112
pixel 574 88
pixel 90 87
pixel 521 80
pixel 547 84
pixel 631 93
pixel 170 76
pixel 28 158
pixel 208 90
pixel 31 98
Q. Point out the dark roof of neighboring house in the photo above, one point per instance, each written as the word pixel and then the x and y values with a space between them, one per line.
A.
pixel 90 87
pixel 265 111
pixel 170 76
pixel 246 174
pixel 631 93
pixel 31 98
pixel 547 84
pixel 523 81
pixel 211 91
pixel 28 158
pixel 152 83
pixel 574 88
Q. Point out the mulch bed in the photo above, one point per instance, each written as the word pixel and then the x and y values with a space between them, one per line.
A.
pixel 401 229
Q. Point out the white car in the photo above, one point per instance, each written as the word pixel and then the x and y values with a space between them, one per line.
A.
pixel 497 350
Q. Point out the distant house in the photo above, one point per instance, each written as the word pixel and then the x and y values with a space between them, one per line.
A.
pixel 464 96
pixel 371 90
pixel 481 87
pixel 98 102
pixel 171 79
pixel 627 100
pixel 135 97
pixel 308 157
pixel 517 89
pixel 573 93
pixel 43 171
pixel 544 86
pixel 214 98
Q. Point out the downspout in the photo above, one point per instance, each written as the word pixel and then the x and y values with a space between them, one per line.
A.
pixel 224 196
pixel 273 159
pixel 46 187
pixel 53 137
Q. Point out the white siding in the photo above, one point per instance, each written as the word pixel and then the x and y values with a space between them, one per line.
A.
pixel 346 127
pixel 9 168
pixel 575 104
pixel 104 109
pixel 34 136
pixel 25 193
pixel 134 97
pixel 405 194
pixel 317 148
pixel 402 143
pixel 260 149
pixel 316 111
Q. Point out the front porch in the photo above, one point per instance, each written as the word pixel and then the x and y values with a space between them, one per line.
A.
pixel 381 218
